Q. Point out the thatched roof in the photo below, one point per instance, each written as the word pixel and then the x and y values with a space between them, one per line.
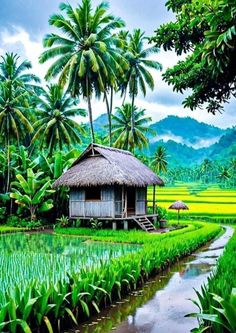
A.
pixel 179 205
pixel 100 165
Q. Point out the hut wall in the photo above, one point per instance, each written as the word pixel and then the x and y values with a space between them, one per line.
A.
pixel 77 200
pixel 141 194
pixel 118 201
pixel 79 207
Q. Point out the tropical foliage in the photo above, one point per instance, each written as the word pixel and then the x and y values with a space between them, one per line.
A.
pixel 159 162
pixel 206 32
pixel 87 57
pixel 137 77
pixel 55 127
pixel 125 136
pixel 31 192
pixel 41 127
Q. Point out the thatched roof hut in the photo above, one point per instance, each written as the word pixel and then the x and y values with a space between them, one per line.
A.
pixel 108 183
pixel 100 165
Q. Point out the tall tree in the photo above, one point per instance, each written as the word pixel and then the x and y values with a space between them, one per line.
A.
pixel 55 126
pixel 86 52
pixel 224 174
pixel 137 77
pixel 206 31
pixel 159 162
pixel 15 93
pixel 126 137
pixel 15 72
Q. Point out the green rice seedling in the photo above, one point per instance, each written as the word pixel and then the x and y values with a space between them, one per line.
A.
pixel 68 278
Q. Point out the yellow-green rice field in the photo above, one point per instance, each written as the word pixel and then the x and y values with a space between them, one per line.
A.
pixel 205 201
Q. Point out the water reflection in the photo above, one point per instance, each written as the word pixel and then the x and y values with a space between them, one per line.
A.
pixel 162 304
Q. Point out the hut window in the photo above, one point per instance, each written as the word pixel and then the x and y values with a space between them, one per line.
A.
pixel 93 194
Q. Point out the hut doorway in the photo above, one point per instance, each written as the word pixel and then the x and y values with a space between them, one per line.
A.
pixel 131 199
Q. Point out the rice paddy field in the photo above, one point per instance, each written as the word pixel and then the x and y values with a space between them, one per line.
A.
pixel 49 258
pixel 210 202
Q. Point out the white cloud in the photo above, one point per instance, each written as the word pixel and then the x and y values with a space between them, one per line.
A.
pixel 21 42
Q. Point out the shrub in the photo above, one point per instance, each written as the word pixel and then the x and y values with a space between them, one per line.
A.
pixel 16 221
pixel 63 221
pixel 2 214
pixel 95 224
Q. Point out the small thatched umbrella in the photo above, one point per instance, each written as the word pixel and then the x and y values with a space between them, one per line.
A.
pixel 178 205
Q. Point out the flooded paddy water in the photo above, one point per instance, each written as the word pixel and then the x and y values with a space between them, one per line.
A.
pixel 161 306
pixel 47 258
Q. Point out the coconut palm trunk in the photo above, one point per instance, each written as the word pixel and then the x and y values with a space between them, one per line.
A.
pixel 8 164
pixel 90 111
pixel 91 119
pixel 109 119
pixel 132 113
pixel 109 106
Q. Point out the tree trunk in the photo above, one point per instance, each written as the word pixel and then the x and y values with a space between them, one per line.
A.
pixel 109 119
pixel 90 111
pixel 8 164
pixel 132 113
pixel 110 112
pixel 91 120
pixel 125 93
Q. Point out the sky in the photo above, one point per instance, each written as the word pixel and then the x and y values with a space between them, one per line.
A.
pixel 24 23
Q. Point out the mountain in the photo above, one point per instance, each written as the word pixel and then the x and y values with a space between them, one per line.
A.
pixel 179 154
pixel 183 155
pixel 187 131
pixel 225 149
pixel 187 141
pixel 100 123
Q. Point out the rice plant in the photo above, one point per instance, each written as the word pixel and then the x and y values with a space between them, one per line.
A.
pixel 51 282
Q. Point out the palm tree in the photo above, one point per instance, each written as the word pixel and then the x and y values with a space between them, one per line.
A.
pixel 206 167
pixel 159 162
pixel 224 174
pixel 11 70
pixel 138 76
pixel 55 127
pixel 125 137
pixel 232 167
pixel 13 123
pixel 87 57
pixel 15 92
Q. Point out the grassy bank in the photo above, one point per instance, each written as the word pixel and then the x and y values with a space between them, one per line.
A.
pixel 131 236
pixel 217 300
pixel 4 229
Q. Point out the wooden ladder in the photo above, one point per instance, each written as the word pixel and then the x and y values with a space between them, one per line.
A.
pixel 145 223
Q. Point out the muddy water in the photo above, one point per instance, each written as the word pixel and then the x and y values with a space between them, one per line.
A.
pixel 161 305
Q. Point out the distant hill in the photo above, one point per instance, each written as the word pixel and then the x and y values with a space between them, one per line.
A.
pixel 183 155
pixel 179 154
pixel 100 123
pixel 187 131
pixel 187 141
pixel 226 147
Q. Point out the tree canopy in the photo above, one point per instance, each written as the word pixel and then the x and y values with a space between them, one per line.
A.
pixel 206 32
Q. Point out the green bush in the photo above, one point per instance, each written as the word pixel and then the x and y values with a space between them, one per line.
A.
pixel 16 221
pixel 63 222
pixel 2 214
